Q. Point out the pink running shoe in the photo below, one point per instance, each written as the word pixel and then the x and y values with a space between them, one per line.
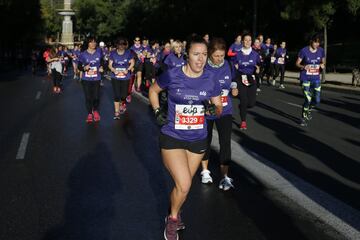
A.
pixel 243 125
pixel 89 118
pixel 96 116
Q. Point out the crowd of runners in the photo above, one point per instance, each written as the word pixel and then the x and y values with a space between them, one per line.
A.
pixel 190 85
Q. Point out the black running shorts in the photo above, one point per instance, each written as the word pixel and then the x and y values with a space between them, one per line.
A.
pixel 167 142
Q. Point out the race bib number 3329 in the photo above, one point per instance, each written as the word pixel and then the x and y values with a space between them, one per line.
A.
pixel 189 117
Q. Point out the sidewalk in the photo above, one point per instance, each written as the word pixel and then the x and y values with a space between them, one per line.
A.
pixel 341 82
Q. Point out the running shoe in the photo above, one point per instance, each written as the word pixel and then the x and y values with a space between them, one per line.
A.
pixel 170 232
pixel 273 82
pixel 243 125
pixel 89 118
pixel 282 86
pixel 226 183
pixel 122 108
pixel 128 99
pixel 205 177
pixel 116 116
pixel 101 83
pixel 96 116
pixel 181 224
pixel 258 90
pixel 303 122
pixel 309 115
pixel 55 89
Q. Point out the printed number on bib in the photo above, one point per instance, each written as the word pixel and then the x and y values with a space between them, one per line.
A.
pixel 189 117
pixel 92 72
pixel 281 60
pixel 245 81
pixel 224 97
pixel 120 72
pixel 314 69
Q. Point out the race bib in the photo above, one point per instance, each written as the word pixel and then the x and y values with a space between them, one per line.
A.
pixel 245 80
pixel 120 73
pixel 273 59
pixel 92 72
pixel 189 117
pixel 314 69
pixel 224 97
pixel 281 60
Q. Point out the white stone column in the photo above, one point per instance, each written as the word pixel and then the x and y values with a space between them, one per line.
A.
pixel 67 36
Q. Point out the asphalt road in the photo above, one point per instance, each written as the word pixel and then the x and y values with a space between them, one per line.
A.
pixel 325 153
pixel 61 178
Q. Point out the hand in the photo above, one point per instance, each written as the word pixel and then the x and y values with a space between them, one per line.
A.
pixel 307 67
pixel 322 65
pixel 101 69
pixel 87 67
pixel 160 116
pixel 125 72
pixel 210 108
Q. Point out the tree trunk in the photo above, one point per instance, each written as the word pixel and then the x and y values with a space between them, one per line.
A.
pixel 323 78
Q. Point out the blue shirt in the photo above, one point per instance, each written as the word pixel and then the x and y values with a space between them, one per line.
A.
pixel 247 63
pixel 186 113
pixel 121 63
pixel 173 61
pixel 94 60
pixel 223 75
pixel 312 59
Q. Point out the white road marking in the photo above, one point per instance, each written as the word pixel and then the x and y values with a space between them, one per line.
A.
pixel 38 95
pixel 294 105
pixel 23 144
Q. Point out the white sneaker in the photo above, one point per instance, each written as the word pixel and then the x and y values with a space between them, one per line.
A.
pixel 258 90
pixel 226 183
pixel 205 176
pixel 273 82
pixel 282 86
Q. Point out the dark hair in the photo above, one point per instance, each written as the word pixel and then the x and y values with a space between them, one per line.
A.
pixel 315 38
pixel 194 39
pixel 245 34
pixel 121 41
pixel 87 41
pixel 216 44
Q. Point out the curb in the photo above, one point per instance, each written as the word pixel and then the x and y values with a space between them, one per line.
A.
pixel 325 86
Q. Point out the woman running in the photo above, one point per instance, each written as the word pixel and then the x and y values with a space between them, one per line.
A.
pixel 183 137
pixel 90 63
pixel 247 64
pixel 311 60
pixel 121 61
pixel 54 60
pixel 223 73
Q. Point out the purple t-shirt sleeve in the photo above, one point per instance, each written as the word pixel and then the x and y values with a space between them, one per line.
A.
pixel 301 54
pixel 164 80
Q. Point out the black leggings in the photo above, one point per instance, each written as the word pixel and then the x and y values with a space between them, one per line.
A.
pixel 247 95
pixel 57 78
pixel 120 88
pixel 92 95
pixel 281 68
pixel 224 128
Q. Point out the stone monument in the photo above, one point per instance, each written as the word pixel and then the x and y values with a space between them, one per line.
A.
pixel 67 36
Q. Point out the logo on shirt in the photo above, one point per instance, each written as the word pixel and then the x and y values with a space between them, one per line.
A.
pixel 202 93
